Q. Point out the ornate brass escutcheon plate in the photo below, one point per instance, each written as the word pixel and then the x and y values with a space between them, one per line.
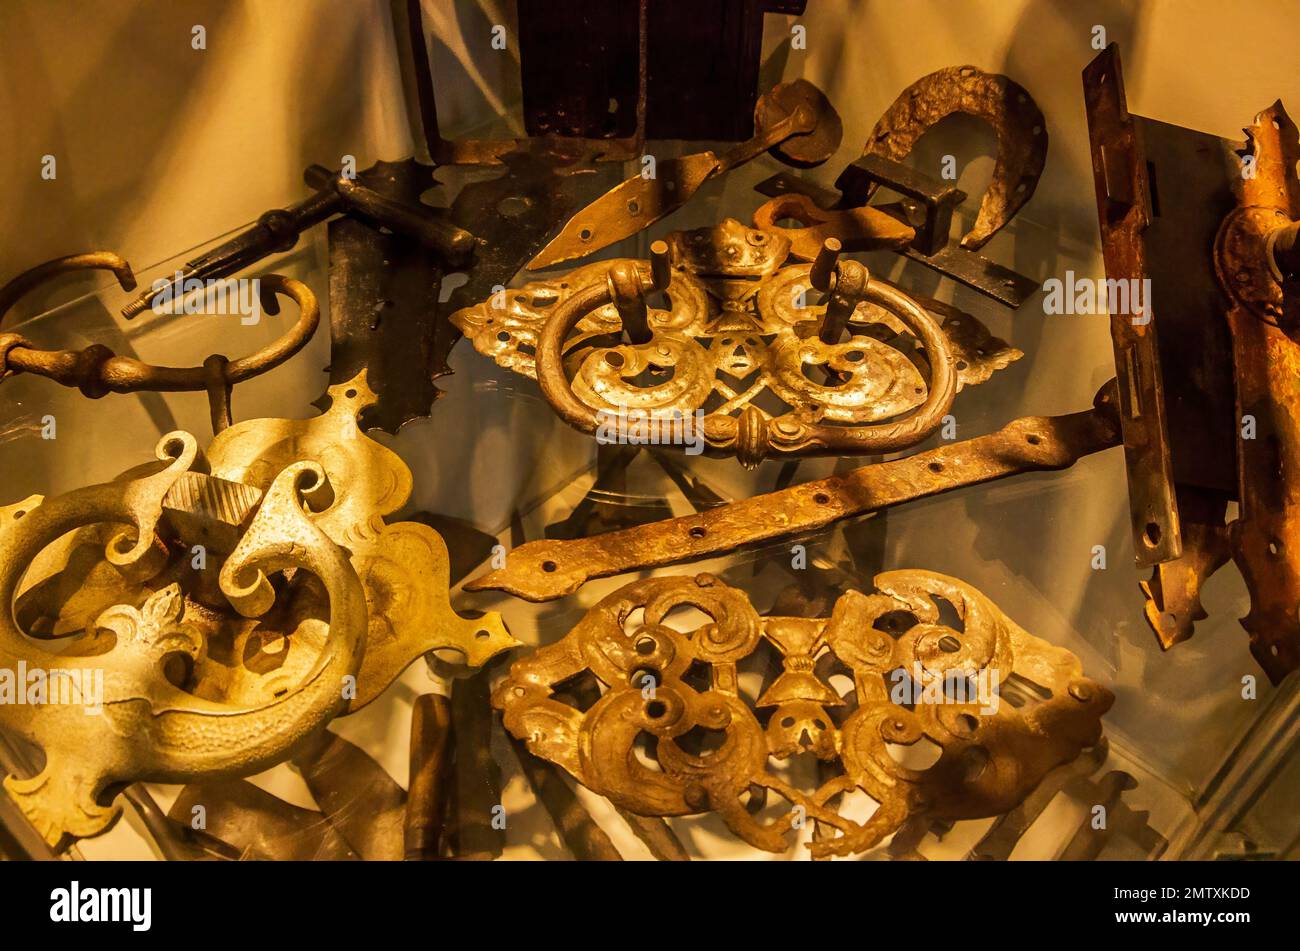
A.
pixel 202 615
pixel 102 707
pixel 740 346
pixel 653 713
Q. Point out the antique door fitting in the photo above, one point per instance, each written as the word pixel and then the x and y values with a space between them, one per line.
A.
pixel 545 569
pixel 744 345
pixel 794 121
pixel 927 203
pixel 232 602
pixel 1004 707
pixel 96 371
pixel 1207 368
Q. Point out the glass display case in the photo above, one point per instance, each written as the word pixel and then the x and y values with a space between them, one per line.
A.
pixel 1141 750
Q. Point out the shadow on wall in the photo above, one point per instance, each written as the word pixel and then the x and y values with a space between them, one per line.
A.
pixel 122 99
pixel 108 131
pixel 473 82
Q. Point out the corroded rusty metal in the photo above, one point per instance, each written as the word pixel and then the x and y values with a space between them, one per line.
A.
pixel 1265 538
pixel 1120 173
pixel 546 569
pixel 1173 355
pixel 742 336
pixel 97 371
pixel 388 304
pixel 1004 104
pixel 369 195
pixel 794 120
pixel 1207 365
pixel 857 229
pixel 675 695
pixel 146 728
pixel 925 212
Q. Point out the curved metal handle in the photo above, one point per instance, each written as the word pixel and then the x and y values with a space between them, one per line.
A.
pixel 97 370
pixel 752 436
pixel 151 730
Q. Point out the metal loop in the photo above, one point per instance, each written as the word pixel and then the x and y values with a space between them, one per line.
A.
pixel 96 370
pixel 785 435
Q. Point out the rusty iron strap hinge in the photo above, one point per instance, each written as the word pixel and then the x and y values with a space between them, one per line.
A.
pixel 547 569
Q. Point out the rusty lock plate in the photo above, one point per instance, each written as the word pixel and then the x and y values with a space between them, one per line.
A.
pixel 1265 538
pixel 1207 366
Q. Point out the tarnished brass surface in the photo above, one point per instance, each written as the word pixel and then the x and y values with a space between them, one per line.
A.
pixel 97 371
pixel 546 569
pixel 885 386
pixel 857 229
pixel 714 749
pixel 403 566
pixel 1004 104
pixel 265 662
pixel 148 728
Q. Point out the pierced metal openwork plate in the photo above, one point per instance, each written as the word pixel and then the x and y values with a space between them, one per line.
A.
pixel 659 720
pixel 737 342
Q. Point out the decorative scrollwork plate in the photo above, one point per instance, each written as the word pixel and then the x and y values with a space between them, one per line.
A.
pixel 658 720
pixel 738 343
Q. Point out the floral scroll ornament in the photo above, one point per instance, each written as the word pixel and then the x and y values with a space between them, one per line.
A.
pixel 696 742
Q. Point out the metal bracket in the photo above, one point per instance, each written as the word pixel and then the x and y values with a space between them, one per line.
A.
pixel 547 569
pixel 929 212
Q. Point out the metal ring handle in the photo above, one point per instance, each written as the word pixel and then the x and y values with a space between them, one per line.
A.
pixel 752 436
pixel 96 370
